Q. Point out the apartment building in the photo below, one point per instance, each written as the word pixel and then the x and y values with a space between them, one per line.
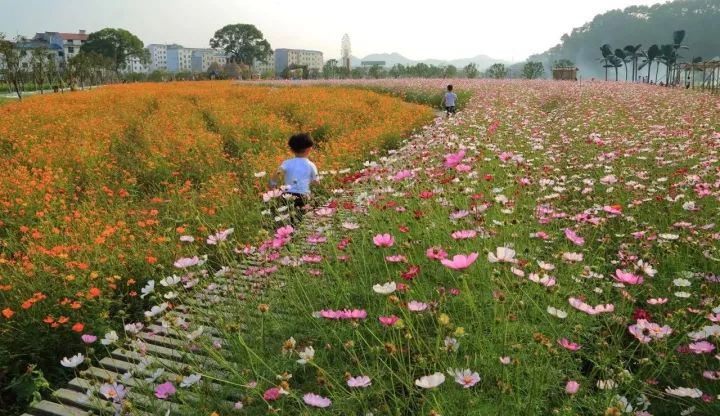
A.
pixel 301 57
pixel 260 67
pixel 158 57
pixel 201 59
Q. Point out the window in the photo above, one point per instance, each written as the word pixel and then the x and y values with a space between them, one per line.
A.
pixel 71 49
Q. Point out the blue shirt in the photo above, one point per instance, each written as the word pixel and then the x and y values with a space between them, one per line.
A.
pixel 450 99
pixel 299 173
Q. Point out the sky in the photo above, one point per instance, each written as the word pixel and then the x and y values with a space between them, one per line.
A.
pixel 418 29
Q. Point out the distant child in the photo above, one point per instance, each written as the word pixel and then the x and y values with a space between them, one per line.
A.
pixel 299 173
pixel 449 101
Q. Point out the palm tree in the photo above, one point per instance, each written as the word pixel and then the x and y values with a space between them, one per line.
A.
pixel 668 57
pixel 649 57
pixel 622 56
pixel 634 53
pixel 678 37
pixel 606 57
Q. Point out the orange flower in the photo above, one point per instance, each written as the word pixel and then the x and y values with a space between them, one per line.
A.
pixel 78 327
pixel 49 319
pixel 63 320
pixel 151 259
pixel 93 292
pixel 8 313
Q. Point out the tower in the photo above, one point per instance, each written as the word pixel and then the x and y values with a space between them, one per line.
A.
pixel 345 52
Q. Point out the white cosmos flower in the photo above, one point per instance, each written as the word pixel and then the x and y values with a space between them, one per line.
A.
pixel 502 254
pixel 556 312
pixel 156 310
pixel 306 355
pixel 682 283
pixel 546 266
pixel 170 281
pixel 684 392
pixel 170 295
pixel 431 381
pixel 606 384
pixel 668 236
pixel 196 333
pixel 190 380
pixel 148 289
pixel 73 361
pixel 683 295
pixel 110 338
pixel 385 289
pixel 260 174
pixel 134 328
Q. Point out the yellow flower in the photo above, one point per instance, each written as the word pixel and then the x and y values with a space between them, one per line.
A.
pixel 444 319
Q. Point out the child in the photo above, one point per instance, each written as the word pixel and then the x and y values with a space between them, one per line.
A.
pixel 298 172
pixel 449 100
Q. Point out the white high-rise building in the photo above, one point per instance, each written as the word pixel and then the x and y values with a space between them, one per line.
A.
pixel 201 59
pixel 261 68
pixel 158 57
pixel 285 58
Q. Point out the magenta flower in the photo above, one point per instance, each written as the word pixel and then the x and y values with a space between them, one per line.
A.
pixel 164 390
pixel 88 338
pixel 453 159
pixel 343 314
pixel 569 345
pixel 398 258
pixel 384 240
pixel 312 399
pixel 627 278
pixel 572 387
pixel 284 232
pixel 388 320
pixel 359 382
pixel 436 253
pixel 591 310
pixel 460 261
pixel 572 236
pixel 271 394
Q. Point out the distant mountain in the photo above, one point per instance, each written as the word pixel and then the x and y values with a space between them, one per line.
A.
pixel 391 59
pixel 639 25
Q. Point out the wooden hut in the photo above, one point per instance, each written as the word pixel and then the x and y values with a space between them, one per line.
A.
pixel 565 73
pixel 704 75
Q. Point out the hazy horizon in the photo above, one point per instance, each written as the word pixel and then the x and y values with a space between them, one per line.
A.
pixel 510 30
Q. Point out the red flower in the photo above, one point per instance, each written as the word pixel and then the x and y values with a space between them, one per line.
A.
pixel 78 327
pixel 93 292
pixel 411 273
pixel 640 313
pixel 403 229
pixel 7 313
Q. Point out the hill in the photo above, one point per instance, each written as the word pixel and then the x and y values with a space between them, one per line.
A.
pixel 645 25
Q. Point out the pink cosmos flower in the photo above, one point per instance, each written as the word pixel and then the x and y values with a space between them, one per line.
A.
pixel 359 382
pixel 187 238
pixel 547 281
pixel 612 210
pixel 568 345
pixel 398 258
pixel 436 253
pixel 164 390
pixel 343 314
pixel 627 278
pixel 219 236
pixel 88 338
pixel 459 214
pixel 460 261
pixel 572 387
pixel 590 310
pixel 186 262
pixel 572 257
pixel 312 399
pixel 572 236
pixel 463 168
pixel 505 360
pixel 711 375
pixel 454 159
pixel 384 240
pixel 316 239
pixel 464 234
pixel 541 235
pixel 657 301
pixel 403 174
pixel 415 306
pixel 271 394
pixel 388 320
pixel 645 331
pixel 701 347
pixel 310 258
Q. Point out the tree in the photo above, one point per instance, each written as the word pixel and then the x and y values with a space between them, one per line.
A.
pixel 471 70
pixel 607 54
pixel 650 56
pixel 622 56
pixel 118 45
pixel 243 43
pixel 451 71
pixel 38 64
pixel 532 70
pixel 11 67
pixel 563 63
pixel 633 53
pixel 232 70
pixel 497 71
pixel 330 69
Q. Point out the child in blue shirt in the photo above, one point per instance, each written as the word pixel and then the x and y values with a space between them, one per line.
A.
pixel 299 172
pixel 450 100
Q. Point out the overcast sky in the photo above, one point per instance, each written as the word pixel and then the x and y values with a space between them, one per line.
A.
pixel 418 29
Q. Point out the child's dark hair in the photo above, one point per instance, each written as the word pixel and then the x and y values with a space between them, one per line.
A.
pixel 450 87
pixel 300 142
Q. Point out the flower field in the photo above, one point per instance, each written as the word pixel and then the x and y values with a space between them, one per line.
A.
pixel 96 188
pixel 552 249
